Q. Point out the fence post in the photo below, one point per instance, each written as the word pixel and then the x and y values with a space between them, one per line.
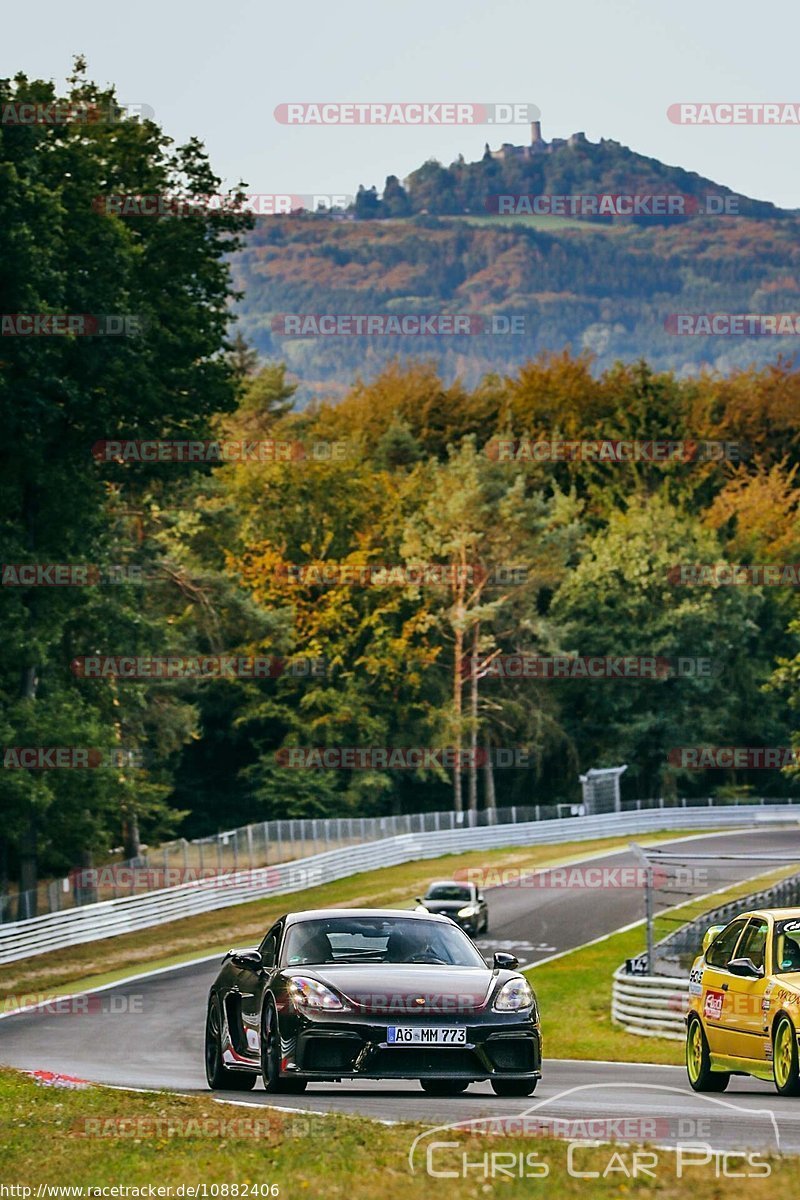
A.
pixel 648 916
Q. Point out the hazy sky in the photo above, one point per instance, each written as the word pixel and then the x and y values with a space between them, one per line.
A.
pixel 609 67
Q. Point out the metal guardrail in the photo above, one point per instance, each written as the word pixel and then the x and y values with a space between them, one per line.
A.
pixel 650 1005
pixel 248 846
pixel 22 939
pixel 656 1005
pixel 270 842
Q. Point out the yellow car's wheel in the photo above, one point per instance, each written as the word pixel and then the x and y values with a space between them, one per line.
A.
pixel 784 1058
pixel 698 1063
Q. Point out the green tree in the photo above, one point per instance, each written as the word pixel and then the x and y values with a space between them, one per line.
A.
pixel 64 252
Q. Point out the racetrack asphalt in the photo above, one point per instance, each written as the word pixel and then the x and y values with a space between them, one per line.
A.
pixel 148 1032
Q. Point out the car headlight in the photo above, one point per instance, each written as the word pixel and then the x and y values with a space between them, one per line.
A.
pixel 470 911
pixel 513 996
pixel 313 994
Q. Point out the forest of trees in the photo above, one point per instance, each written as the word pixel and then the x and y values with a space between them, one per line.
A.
pixel 573 558
pixel 586 167
pixel 606 290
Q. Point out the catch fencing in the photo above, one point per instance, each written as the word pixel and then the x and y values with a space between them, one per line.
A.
pixel 268 843
pixel 111 918
pixel 263 844
pixel 655 1005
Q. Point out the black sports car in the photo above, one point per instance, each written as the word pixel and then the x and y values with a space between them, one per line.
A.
pixel 371 994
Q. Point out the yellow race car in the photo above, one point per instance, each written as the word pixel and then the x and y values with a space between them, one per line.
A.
pixel 744 1003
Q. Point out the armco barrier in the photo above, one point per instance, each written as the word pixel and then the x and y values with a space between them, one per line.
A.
pixel 651 1005
pixel 22 939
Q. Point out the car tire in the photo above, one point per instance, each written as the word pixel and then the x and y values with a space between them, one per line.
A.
pixel 444 1087
pixel 274 1082
pixel 785 1070
pixel 514 1087
pixel 218 1076
pixel 698 1061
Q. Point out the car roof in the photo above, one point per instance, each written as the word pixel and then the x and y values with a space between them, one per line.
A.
pixel 320 914
pixel 779 914
pixel 450 883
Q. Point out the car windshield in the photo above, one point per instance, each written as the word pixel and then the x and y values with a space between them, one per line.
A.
pixel 449 891
pixel 377 940
pixel 787 947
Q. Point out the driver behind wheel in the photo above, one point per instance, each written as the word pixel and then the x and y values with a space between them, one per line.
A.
pixel 313 947
pixel 400 947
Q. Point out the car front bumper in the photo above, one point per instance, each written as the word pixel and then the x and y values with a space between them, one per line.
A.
pixel 343 1049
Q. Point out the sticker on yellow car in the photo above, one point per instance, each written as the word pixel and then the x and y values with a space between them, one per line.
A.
pixel 712 1009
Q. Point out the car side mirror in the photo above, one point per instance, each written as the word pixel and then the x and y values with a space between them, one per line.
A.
pixel 744 967
pixel 710 934
pixel 504 962
pixel 249 960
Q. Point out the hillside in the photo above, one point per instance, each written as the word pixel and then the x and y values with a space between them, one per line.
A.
pixel 602 284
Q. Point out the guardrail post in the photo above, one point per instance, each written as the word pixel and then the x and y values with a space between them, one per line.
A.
pixel 648 916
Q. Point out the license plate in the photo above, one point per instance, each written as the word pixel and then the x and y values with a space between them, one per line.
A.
pixel 427 1035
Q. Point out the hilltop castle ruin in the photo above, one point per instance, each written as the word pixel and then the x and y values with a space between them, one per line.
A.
pixel 537 145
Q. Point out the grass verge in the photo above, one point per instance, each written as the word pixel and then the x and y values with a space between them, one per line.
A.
pixel 97 1138
pixel 574 991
